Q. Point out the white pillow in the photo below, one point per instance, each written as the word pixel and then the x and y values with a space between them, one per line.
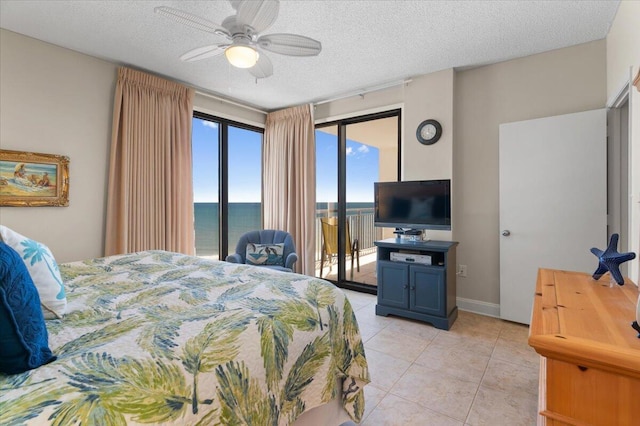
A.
pixel 43 270
pixel 265 254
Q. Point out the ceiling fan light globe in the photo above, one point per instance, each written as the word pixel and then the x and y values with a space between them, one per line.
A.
pixel 242 56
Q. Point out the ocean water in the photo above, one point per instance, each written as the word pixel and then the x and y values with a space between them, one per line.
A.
pixel 243 217
pixel 8 167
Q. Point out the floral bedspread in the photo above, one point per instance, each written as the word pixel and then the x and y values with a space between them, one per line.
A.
pixel 163 338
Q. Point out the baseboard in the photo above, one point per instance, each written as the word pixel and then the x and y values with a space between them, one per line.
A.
pixel 478 307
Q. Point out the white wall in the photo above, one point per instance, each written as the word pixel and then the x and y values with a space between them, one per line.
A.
pixel 552 83
pixel 430 97
pixel 634 181
pixel 623 62
pixel 56 101
pixel 623 45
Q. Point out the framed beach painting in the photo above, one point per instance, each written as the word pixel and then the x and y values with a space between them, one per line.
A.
pixel 29 179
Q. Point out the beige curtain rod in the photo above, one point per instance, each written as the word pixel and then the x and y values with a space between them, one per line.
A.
pixel 364 91
pixel 325 101
pixel 238 104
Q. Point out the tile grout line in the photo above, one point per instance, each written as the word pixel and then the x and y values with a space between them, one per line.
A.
pixel 466 419
pixel 376 406
pixel 434 410
pixel 504 334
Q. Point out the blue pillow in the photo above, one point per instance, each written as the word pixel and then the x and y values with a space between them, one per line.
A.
pixel 24 342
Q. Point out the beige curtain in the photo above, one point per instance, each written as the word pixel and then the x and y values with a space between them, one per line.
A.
pixel 150 196
pixel 289 179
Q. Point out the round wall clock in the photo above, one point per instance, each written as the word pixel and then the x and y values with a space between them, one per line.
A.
pixel 428 132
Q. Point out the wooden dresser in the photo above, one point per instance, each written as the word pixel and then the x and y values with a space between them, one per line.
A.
pixel 590 355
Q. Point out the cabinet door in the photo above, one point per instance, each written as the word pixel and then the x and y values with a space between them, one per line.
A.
pixel 393 284
pixel 427 294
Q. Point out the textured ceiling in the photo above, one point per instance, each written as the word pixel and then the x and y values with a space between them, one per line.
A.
pixel 364 43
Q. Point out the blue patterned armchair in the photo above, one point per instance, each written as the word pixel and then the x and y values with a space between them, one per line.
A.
pixel 268 248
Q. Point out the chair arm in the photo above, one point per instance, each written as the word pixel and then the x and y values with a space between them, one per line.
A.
pixel 290 260
pixel 234 258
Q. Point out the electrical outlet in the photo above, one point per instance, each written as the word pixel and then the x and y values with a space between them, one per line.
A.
pixel 462 270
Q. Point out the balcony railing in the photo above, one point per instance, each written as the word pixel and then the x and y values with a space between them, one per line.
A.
pixel 360 226
pixel 247 216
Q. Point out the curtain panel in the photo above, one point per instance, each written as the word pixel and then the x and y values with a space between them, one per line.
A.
pixel 289 180
pixel 150 194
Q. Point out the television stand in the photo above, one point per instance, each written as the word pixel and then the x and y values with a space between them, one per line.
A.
pixel 417 280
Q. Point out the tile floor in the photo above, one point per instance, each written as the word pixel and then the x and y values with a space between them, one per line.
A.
pixel 481 372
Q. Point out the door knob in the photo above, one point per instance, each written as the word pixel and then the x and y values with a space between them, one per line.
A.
pixel 506 233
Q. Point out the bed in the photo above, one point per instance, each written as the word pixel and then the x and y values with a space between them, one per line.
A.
pixel 164 338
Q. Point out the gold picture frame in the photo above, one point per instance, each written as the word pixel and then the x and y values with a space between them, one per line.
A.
pixel 29 179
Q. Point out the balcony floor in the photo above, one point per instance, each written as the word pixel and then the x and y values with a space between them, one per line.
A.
pixel 367 274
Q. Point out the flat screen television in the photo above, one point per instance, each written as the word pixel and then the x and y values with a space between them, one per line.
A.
pixel 424 204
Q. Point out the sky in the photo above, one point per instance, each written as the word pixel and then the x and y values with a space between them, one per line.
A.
pixel 246 170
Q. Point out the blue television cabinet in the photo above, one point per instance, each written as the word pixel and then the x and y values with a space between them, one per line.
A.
pixel 423 292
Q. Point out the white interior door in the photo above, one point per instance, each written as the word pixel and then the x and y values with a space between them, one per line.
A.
pixel 553 202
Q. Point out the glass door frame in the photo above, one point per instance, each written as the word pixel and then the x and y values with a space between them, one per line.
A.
pixel 341 125
pixel 223 175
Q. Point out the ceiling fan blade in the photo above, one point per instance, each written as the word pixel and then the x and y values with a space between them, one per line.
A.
pixel 263 68
pixel 258 14
pixel 290 44
pixel 193 21
pixel 204 52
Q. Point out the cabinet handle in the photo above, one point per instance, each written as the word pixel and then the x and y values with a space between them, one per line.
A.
pixel 406 286
pixel 413 287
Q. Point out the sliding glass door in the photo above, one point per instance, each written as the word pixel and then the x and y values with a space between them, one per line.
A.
pixel 227 183
pixel 350 156
pixel 327 202
pixel 205 146
pixel 244 183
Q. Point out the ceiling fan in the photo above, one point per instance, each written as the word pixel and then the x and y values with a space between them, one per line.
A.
pixel 244 45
